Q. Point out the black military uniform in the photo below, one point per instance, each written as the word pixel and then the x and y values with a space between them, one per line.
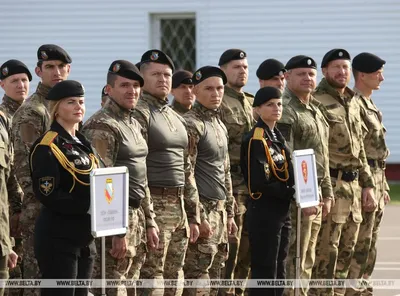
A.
pixel 60 168
pixel 267 170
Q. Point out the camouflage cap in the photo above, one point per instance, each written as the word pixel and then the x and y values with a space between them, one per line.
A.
pixel 12 67
pixel 52 52
pixel 157 56
pixel 265 94
pixel 301 61
pixel 367 62
pixel 335 54
pixel 126 69
pixel 206 72
pixel 230 55
pixel 181 77
pixel 66 89
pixel 270 68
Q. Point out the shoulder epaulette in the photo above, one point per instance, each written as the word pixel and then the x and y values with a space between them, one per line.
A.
pixel 48 138
pixel 258 133
pixel 248 94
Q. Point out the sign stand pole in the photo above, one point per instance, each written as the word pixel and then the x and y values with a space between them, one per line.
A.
pixel 297 265
pixel 103 265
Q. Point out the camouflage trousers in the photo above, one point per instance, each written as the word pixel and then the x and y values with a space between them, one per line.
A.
pixel 310 227
pixel 206 257
pixel 363 262
pixel 16 272
pixel 242 270
pixel 167 261
pixel 241 197
pixel 29 264
pixel 338 236
pixel 129 267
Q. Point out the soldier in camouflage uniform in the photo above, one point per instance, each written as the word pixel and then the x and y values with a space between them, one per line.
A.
pixel 303 125
pixel 8 258
pixel 117 137
pixel 237 115
pixel 30 121
pixel 368 75
pixel 182 90
pixel 208 151
pixel 171 183
pixel 348 169
pixel 15 77
pixel 271 73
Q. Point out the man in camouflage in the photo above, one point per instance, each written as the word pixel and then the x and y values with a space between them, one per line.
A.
pixel 8 258
pixel 348 169
pixel 182 90
pixel 117 137
pixel 271 73
pixel 237 115
pixel 171 183
pixel 304 127
pixel 368 75
pixel 30 121
pixel 208 151
pixel 15 77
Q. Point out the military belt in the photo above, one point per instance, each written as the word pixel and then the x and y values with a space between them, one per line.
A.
pixel 211 204
pixel 347 176
pixel 235 168
pixel 174 191
pixel 373 163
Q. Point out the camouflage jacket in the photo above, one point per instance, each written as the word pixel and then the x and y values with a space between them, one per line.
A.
pixel 208 151
pixel 237 115
pixel 373 131
pixel 179 108
pixel 106 130
pixel 30 121
pixel 304 127
pixel 145 108
pixel 7 179
pixel 346 147
pixel 9 107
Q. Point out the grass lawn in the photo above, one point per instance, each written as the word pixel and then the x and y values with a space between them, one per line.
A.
pixel 395 193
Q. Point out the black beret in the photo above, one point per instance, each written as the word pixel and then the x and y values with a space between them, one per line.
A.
pixel 103 91
pixel 157 56
pixel 206 72
pixel 367 62
pixel 230 55
pixel 12 67
pixel 181 77
pixel 52 52
pixel 126 69
pixel 335 54
pixel 265 94
pixel 270 68
pixel 66 89
pixel 301 61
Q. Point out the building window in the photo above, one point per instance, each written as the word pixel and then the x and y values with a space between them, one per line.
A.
pixel 175 34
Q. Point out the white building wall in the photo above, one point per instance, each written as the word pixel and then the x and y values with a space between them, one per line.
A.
pixel 95 32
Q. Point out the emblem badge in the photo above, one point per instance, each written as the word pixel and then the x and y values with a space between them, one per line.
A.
pixel 309 62
pixel 198 75
pixel 340 53
pixel 280 73
pixel 5 71
pixel 46 185
pixel 266 169
pixel 154 56
pixel 116 68
pixel 304 170
pixel 241 54
pixel 44 55
pixel 85 160
pixel 109 191
pixel 77 161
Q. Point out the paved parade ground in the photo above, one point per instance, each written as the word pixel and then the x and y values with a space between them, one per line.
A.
pixel 388 262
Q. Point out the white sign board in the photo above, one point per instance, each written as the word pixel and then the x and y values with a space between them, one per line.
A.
pixel 109 192
pixel 305 177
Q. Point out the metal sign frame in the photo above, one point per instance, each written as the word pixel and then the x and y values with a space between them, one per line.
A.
pixel 113 172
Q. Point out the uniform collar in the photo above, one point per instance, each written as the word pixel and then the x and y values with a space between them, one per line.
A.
pixel 113 107
pixel 43 90
pixel 324 86
pixel 205 112
pixel 11 104
pixel 233 93
pixel 159 103
pixel 55 126
pixel 312 101
pixel 179 107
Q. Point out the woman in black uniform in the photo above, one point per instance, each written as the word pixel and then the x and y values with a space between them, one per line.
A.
pixel 267 170
pixel 61 161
